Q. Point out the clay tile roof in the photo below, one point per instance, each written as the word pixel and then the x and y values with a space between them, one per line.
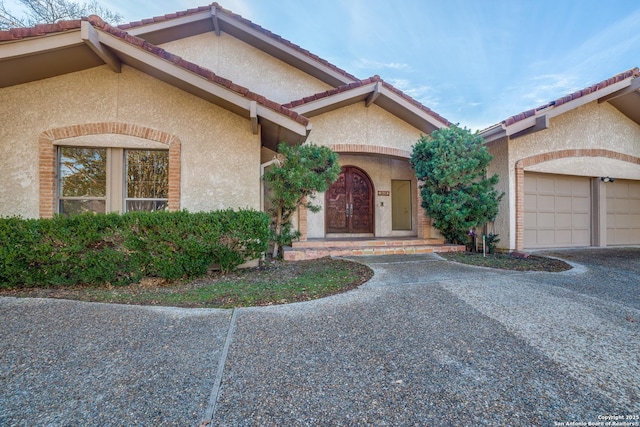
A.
pixel 39 30
pixel 575 95
pixel 245 21
pixel 96 21
pixel 365 82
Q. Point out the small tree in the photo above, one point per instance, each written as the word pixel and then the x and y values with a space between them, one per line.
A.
pixel 452 166
pixel 51 11
pixel 293 181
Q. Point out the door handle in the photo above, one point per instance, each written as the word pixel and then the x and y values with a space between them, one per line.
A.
pixel 349 210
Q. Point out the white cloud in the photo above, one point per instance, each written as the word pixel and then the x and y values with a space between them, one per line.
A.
pixel 549 87
pixel 368 64
pixel 421 93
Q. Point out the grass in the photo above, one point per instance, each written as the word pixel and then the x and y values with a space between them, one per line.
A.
pixel 270 284
pixel 508 262
pixel 274 283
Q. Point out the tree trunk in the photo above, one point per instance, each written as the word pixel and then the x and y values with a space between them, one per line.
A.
pixel 276 246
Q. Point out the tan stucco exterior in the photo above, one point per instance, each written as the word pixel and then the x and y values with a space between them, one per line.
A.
pixel 598 133
pixel 247 66
pixel 220 155
pixel 368 131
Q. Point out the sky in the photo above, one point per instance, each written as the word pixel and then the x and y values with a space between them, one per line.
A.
pixel 475 62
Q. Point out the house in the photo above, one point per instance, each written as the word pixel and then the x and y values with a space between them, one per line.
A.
pixel 184 111
pixel 570 169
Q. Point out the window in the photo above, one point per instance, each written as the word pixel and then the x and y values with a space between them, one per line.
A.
pixel 112 180
pixel 401 210
pixel 147 187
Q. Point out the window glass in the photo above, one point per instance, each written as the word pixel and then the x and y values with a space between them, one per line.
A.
pixel 147 180
pixel 83 172
pixel 83 180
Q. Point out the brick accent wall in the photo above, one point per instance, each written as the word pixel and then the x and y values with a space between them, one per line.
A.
pixel 370 149
pixel 47 157
pixel 554 155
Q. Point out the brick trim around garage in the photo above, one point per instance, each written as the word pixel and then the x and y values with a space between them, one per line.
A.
pixel 546 157
pixel 47 157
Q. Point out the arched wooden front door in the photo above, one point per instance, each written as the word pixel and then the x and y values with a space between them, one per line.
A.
pixel 349 203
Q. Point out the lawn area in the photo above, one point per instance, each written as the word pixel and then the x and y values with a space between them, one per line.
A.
pixel 273 283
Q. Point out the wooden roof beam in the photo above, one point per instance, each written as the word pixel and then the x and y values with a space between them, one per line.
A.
pixel 214 17
pixel 373 96
pixel 90 36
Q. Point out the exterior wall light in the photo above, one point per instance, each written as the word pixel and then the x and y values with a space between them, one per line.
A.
pixel 606 179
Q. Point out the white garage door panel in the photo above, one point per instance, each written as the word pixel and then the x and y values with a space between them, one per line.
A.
pixel 557 211
pixel 623 212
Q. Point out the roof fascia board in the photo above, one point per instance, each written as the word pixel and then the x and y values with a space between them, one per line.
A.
pixel 279 119
pixel 199 82
pixel 633 86
pixel 173 70
pixel 37 45
pixel 92 39
pixel 411 108
pixel 554 111
pixel 542 122
pixel 231 21
pixel 494 133
pixel 169 23
pixel 308 109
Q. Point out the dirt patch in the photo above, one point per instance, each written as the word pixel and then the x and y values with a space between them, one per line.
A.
pixel 508 262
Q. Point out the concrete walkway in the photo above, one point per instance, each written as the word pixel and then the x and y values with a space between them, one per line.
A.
pixel 425 342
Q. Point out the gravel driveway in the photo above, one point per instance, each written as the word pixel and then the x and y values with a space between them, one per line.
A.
pixel 425 342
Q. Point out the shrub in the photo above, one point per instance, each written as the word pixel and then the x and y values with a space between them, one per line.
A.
pixel 120 249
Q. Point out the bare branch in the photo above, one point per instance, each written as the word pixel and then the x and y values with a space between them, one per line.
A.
pixel 51 11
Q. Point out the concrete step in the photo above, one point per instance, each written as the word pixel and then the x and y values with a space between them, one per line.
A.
pixel 319 248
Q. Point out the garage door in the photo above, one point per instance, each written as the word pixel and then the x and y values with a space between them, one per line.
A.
pixel 556 211
pixel 623 212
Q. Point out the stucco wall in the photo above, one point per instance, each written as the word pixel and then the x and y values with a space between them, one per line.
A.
pixel 374 127
pixel 592 126
pixel 381 171
pixel 599 126
pixel 357 124
pixel 220 156
pixel 500 165
pixel 247 66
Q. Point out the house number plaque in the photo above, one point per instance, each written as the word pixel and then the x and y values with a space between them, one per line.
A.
pixel 384 193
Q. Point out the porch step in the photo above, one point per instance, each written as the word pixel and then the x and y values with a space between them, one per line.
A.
pixel 319 248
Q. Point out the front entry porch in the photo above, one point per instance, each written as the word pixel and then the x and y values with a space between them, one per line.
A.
pixel 363 246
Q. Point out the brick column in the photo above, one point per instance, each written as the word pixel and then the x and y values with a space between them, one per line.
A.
pixel 46 174
pixel 174 175
pixel 302 222
pixel 424 222
pixel 519 206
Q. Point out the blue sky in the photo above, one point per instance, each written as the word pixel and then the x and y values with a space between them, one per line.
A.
pixel 475 62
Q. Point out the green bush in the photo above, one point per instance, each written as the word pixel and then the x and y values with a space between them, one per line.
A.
pixel 120 249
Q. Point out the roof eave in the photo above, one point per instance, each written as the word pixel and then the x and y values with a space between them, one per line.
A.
pixel 370 93
pixel 217 20
pixel 198 85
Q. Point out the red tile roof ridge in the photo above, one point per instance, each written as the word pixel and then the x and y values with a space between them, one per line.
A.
pixel 39 30
pixel 360 83
pixel 244 21
pixel 634 72
pixel 96 21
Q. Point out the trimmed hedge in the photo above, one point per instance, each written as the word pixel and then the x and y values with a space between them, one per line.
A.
pixel 121 249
